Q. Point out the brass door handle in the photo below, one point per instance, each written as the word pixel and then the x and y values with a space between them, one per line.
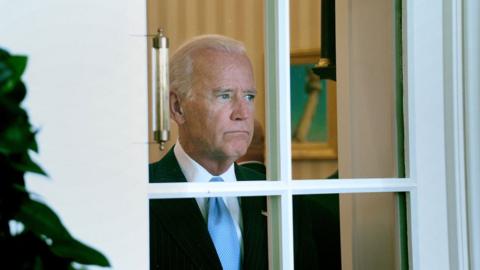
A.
pixel 160 87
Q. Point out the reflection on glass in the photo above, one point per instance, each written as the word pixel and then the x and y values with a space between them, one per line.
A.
pixel 187 233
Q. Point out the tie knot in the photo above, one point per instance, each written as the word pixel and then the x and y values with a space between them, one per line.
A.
pixel 216 179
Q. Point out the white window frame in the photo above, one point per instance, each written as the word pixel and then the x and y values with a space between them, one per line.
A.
pixel 425 184
pixel 468 22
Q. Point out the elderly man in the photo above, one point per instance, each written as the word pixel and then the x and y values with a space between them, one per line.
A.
pixel 212 101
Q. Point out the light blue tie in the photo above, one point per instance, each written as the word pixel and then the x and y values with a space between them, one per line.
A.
pixel 223 233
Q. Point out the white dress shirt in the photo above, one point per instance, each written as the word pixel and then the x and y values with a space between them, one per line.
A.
pixel 194 172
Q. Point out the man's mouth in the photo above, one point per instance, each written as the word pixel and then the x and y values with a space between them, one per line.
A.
pixel 237 132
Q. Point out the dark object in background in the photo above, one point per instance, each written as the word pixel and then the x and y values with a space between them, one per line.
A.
pixel 327 66
pixel 316 222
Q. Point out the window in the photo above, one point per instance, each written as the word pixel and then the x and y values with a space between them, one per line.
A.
pixel 424 182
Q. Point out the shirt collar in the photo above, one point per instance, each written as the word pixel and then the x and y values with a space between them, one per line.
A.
pixel 194 172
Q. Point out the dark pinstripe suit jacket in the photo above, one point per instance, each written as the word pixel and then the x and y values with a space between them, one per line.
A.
pixel 179 237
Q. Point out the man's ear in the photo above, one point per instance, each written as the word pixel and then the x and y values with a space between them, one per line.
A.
pixel 176 111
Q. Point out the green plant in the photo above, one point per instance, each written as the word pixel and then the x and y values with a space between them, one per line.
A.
pixel 42 241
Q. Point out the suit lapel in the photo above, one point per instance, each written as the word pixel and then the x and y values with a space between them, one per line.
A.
pixel 254 233
pixel 184 222
pixel 182 218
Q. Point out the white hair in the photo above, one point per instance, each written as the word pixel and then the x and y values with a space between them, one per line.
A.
pixel 181 62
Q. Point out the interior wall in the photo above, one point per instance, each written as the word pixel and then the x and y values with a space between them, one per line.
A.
pixel 305 24
pixel 365 72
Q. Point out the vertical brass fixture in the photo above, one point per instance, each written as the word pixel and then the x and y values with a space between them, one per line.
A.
pixel 160 86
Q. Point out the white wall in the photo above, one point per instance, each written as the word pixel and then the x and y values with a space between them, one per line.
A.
pixel 86 81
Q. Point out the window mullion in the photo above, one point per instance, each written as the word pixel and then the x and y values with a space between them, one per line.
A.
pixel 277 63
pixel 278 188
pixel 277 51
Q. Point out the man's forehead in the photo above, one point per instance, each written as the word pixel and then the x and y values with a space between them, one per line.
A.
pixel 216 65
pixel 206 57
pixel 231 89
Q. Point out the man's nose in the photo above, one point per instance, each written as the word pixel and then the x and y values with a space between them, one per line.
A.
pixel 241 110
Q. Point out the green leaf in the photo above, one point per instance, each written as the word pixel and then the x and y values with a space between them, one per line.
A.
pixel 16 135
pixel 16 65
pixel 5 74
pixel 18 93
pixel 16 138
pixel 26 164
pixel 79 252
pixel 41 220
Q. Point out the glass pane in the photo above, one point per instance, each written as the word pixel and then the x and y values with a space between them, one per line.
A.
pixel 182 20
pixel 357 95
pixel 184 237
pixel 316 227
pixel 313 97
pixel 369 232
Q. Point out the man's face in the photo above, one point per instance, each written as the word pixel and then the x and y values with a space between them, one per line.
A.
pixel 219 113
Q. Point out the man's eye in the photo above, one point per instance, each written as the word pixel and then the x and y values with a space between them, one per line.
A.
pixel 250 97
pixel 224 96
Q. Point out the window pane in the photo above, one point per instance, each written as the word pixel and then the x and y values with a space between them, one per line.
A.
pixel 346 80
pixel 183 237
pixel 369 231
pixel 182 20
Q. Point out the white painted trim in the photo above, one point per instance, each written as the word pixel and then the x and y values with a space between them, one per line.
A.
pixel 425 69
pixel 138 86
pixel 287 230
pixel 454 132
pixel 410 142
pixel 277 67
pixel 277 188
pixel 471 66
pixel 352 186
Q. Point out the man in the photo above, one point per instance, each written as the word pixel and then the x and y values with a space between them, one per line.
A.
pixel 212 101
